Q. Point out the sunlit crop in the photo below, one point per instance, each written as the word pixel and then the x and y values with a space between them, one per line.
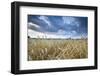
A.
pixel 54 49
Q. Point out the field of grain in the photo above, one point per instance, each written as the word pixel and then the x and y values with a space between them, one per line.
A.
pixel 57 49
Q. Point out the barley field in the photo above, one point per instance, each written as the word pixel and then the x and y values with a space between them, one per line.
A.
pixel 57 49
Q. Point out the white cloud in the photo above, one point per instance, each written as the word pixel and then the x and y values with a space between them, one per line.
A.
pixel 61 32
pixel 74 32
pixel 71 21
pixel 45 19
pixel 35 34
pixel 32 24
pixel 66 33
pixel 77 23
pixel 68 20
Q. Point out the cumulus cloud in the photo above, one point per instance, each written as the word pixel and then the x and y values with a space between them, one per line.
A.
pixel 36 34
pixel 60 34
pixel 74 32
pixel 56 26
pixel 34 25
pixel 70 21
pixel 45 19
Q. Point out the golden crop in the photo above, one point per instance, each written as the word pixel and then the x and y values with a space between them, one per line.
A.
pixel 54 49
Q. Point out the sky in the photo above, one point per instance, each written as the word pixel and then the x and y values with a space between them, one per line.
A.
pixel 47 26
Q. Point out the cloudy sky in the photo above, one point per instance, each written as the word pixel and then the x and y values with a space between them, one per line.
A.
pixel 57 26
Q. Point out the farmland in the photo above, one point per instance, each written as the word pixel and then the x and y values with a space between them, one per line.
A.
pixel 57 49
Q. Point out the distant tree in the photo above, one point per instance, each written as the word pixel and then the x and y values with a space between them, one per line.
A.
pixel 28 36
pixel 70 38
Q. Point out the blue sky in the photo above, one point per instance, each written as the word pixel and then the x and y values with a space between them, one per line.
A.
pixel 57 26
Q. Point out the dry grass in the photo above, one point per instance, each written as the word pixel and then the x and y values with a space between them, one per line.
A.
pixel 43 49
